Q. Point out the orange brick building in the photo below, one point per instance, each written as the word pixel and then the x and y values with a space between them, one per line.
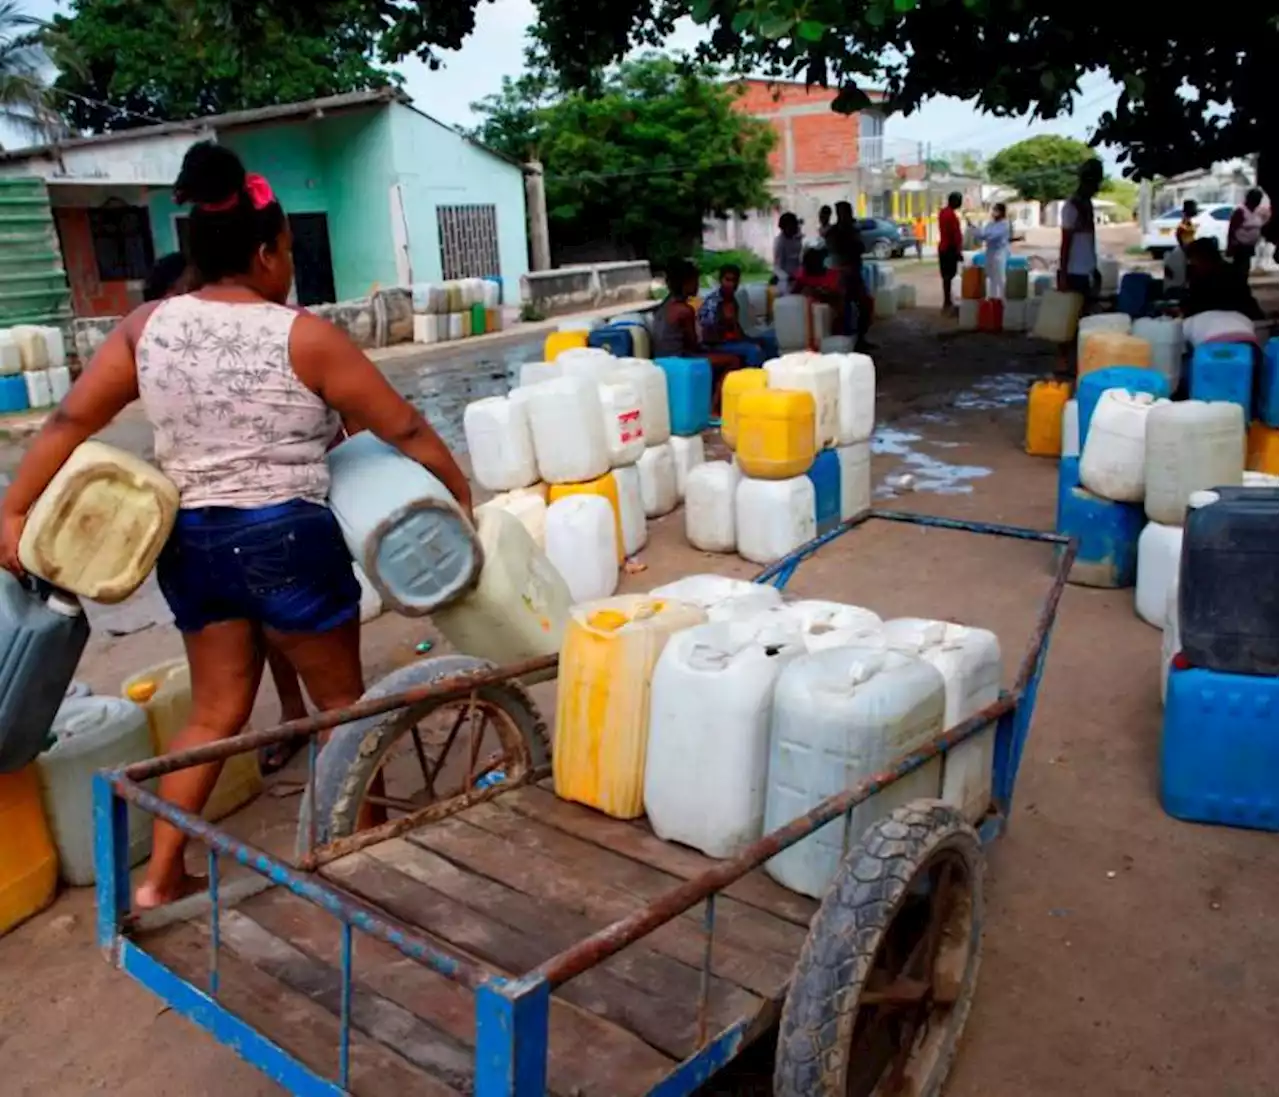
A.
pixel 820 158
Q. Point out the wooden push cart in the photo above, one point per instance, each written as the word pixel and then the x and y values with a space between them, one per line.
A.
pixel 491 939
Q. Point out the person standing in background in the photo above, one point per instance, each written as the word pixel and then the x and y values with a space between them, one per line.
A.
pixel 1186 230
pixel 818 242
pixel 845 250
pixel 950 248
pixel 997 236
pixel 788 250
pixel 919 230
pixel 1078 252
pixel 1175 262
pixel 1244 230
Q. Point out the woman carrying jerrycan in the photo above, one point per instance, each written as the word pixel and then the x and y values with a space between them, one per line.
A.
pixel 245 394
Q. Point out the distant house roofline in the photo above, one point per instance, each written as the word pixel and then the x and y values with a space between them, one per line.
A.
pixel 872 93
pixel 237 119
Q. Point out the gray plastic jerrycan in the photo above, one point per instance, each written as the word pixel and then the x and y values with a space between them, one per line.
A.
pixel 42 635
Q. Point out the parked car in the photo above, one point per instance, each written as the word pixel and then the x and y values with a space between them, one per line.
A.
pixel 1212 220
pixel 883 238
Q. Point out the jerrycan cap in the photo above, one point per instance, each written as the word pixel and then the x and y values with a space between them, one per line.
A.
pixel 607 620
pixel 142 691
pixel 67 605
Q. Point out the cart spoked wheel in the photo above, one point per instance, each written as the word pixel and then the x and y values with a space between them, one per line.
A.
pixel 886 977
pixel 388 766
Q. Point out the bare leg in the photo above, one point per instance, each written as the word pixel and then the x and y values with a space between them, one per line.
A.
pixel 293 706
pixel 288 688
pixel 226 666
pixel 329 665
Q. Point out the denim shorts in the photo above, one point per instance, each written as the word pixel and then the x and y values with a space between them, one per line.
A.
pixel 284 566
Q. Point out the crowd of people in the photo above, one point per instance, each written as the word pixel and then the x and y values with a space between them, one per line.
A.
pixel 827 267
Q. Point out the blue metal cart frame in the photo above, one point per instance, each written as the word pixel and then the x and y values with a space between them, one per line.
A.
pixel 512 1014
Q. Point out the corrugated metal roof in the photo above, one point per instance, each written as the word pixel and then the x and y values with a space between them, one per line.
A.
pixel 230 120
pixel 332 104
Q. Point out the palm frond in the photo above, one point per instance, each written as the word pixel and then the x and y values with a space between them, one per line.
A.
pixel 25 101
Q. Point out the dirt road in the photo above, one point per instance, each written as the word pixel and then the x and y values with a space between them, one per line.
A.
pixel 1125 953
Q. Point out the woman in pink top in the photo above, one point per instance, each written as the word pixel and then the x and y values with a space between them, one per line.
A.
pixel 245 395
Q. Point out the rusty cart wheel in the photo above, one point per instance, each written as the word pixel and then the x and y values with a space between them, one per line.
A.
pixel 886 977
pixel 433 753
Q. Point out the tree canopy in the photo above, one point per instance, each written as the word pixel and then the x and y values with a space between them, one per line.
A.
pixel 1193 91
pixel 125 64
pixel 643 161
pixel 1041 168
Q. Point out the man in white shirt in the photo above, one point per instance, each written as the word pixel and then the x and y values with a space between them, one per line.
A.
pixel 1078 255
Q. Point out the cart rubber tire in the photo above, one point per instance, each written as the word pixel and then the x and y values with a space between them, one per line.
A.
pixel 817 1024
pixel 351 757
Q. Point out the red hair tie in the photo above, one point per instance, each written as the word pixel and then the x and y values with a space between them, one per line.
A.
pixel 255 186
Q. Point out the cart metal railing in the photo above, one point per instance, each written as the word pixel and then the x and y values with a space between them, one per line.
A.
pixel 512 1014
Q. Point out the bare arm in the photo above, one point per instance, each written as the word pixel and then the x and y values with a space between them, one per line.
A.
pixel 1233 226
pixel 106 387
pixel 340 373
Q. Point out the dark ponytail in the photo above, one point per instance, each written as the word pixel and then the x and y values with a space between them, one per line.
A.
pixel 226 229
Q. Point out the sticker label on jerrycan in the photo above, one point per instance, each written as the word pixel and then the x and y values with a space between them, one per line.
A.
pixel 629 426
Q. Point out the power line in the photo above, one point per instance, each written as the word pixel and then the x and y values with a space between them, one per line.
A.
pixel 110 106
pixel 1088 100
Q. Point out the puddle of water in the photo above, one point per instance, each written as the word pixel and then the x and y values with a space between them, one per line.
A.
pixel 441 389
pixel 931 473
pixel 1003 390
pixel 892 441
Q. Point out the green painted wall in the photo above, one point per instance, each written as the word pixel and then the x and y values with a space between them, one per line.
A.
pixel 287 154
pixel 345 165
pixel 437 167
pixel 355 151
pixel 164 236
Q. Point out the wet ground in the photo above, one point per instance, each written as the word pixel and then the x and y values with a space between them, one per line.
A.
pixel 1125 953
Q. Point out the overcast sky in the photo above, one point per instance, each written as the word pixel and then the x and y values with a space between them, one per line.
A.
pixel 497 46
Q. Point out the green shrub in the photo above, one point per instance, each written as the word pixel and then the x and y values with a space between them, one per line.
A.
pixel 753 267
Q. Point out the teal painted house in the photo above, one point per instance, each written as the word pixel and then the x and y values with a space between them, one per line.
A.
pixel 378 194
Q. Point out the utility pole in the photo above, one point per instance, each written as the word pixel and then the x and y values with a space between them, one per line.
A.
pixel 535 198
pixel 1144 204
pixel 928 191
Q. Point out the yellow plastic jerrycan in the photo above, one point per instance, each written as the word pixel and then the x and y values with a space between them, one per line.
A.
pixel 775 430
pixel 99 526
pixel 607 488
pixel 560 341
pixel 1262 451
pixel 1113 348
pixel 1045 402
pixel 164 692
pixel 602 697
pixel 734 385
pixel 28 861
